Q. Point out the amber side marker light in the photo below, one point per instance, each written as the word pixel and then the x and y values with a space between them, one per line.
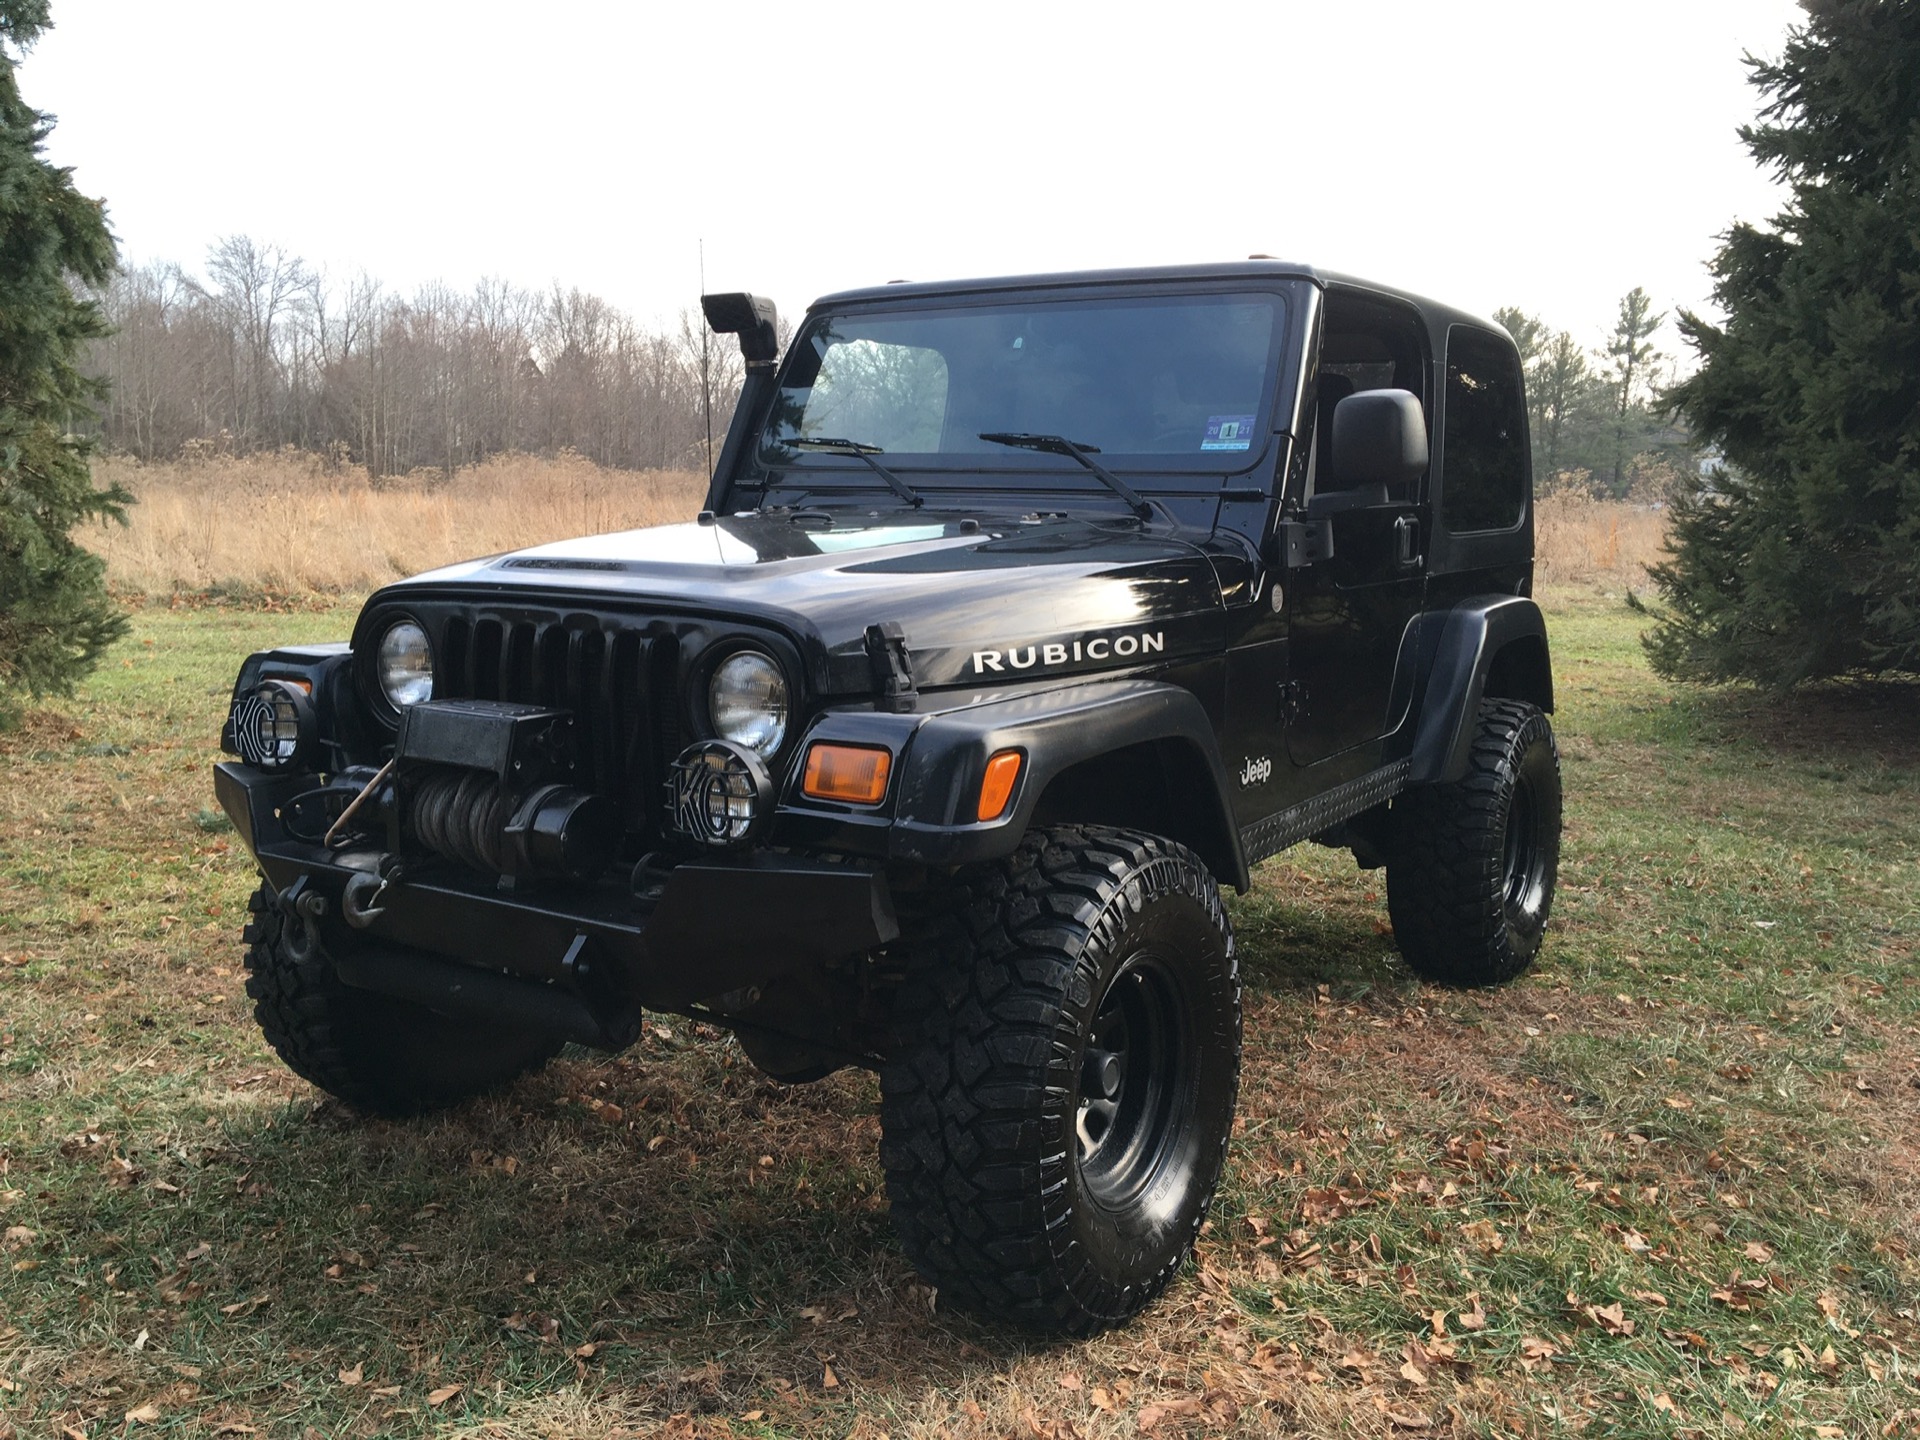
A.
pixel 996 789
pixel 853 774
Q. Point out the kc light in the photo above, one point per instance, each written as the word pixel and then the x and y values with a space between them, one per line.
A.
pixel 405 665
pixel 273 725
pixel 718 793
pixel 747 702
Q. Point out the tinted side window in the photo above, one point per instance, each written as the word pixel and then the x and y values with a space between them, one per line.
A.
pixel 1485 476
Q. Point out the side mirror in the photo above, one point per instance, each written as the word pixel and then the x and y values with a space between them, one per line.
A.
pixel 1379 438
pixel 753 318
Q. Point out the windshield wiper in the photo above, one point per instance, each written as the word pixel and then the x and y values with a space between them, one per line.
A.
pixel 865 452
pixel 1060 445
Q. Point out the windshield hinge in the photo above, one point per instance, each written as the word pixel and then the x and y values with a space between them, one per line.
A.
pixel 892 667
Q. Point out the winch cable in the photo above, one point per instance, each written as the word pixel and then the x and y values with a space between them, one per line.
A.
pixel 355 804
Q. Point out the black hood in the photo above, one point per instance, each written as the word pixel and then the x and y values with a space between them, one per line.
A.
pixel 980 603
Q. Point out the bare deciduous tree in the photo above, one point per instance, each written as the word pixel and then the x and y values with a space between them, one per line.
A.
pixel 265 351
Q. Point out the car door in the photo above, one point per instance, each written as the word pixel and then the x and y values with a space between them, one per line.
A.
pixel 1351 607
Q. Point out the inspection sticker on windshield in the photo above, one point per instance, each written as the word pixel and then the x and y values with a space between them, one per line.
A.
pixel 1228 432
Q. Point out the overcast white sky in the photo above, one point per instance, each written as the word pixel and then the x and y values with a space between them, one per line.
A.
pixel 1548 155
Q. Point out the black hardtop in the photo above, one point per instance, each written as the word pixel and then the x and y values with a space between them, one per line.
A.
pixel 1437 314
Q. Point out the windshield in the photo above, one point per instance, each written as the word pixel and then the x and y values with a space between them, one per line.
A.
pixel 1163 382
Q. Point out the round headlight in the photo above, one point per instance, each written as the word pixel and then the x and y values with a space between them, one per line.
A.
pixel 405 664
pixel 747 701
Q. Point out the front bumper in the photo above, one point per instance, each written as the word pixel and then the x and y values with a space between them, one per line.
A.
pixel 715 926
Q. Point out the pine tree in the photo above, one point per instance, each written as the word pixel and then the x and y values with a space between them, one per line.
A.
pixel 1801 559
pixel 55 616
pixel 1630 357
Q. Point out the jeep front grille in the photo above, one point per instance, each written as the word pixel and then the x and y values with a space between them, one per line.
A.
pixel 616 678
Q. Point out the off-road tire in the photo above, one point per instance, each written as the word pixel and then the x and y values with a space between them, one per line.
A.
pixel 1471 869
pixel 380 1055
pixel 1003 1190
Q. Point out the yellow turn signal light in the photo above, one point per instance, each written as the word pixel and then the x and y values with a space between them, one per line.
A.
pixel 853 774
pixel 996 789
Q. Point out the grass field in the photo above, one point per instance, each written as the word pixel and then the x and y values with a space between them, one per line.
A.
pixel 294 523
pixel 1664 1185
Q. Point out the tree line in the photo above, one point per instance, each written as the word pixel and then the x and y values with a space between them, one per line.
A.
pixel 265 351
pixel 1598 419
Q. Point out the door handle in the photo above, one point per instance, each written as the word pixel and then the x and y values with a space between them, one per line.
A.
pixel 1406 537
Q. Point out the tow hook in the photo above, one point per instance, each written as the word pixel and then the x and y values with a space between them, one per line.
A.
pixel 360 901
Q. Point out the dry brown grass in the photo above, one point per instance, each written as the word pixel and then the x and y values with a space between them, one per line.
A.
pixel 1581 540
pixel 295 522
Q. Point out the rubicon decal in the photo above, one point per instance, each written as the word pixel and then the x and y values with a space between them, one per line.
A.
pixel 1051 654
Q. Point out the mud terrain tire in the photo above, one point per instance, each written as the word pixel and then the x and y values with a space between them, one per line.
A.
pixel 1471 869
pixel 1057 1115
pixel 378 1054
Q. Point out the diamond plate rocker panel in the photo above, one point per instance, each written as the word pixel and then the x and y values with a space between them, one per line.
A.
pixel 1343 802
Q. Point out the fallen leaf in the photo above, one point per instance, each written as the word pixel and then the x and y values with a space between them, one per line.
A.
pixel 1485 1235
pixel 1758 1252
pixel 437 1398
pixel 148 1414
pixel 828 1380
pixel 353 1376
pixel 1152 1415
pixel 1474 1319
pixel 1535 1351
pixel 1610 1318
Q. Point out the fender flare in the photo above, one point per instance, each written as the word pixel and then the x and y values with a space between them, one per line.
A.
pixel 942 769
pixel 1467 648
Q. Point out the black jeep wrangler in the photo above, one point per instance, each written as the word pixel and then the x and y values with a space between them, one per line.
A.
pixel 1024 615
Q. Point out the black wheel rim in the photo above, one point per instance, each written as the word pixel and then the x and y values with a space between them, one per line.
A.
pixel 1525 859
pixel 1137 1078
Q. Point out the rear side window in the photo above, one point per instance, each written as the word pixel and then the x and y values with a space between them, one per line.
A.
pixel 1486 475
